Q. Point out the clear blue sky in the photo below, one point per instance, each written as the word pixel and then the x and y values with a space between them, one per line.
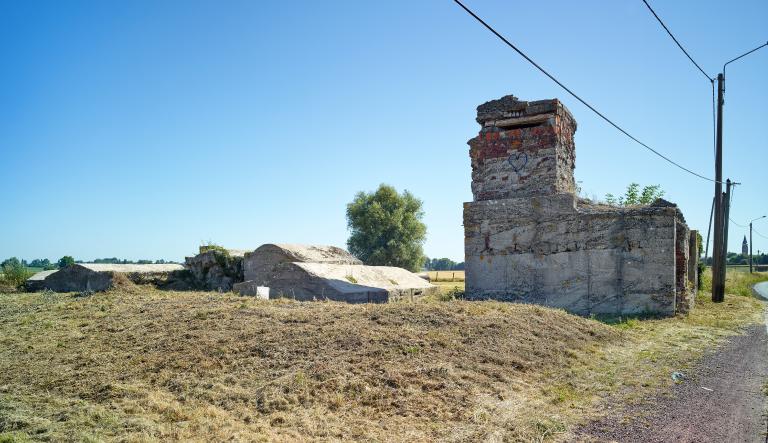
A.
pixel 140 129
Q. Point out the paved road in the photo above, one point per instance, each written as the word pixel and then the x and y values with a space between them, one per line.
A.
pixel 721 401
pixel 762 290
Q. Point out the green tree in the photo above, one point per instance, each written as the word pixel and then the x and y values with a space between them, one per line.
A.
pixel 40 263
pixel 11 262
pixel 66 261
pixel 386 228
pixel 14 271
pixel 635 196
pixel 442 264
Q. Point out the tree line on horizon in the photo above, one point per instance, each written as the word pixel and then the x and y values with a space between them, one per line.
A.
pixel 67 260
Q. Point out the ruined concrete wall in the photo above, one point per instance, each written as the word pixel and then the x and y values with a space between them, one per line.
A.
pixel 216 269
pixel 529 239
pixel 684 293
pixel 693 260
pixel 588 261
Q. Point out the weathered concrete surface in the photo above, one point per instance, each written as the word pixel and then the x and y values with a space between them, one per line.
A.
pixel 215 269
pixel 99 277
pixel 344 282
pixel 259 264
pixel 316 272
pixel 35 283
pixel 528 238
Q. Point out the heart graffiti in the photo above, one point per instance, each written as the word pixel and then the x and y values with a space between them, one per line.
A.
pixel 518 160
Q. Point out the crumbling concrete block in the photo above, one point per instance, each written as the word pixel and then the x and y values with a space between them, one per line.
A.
pixel 215 268
pixel 528 238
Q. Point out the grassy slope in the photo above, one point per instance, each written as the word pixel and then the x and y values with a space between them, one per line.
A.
pixel 145 365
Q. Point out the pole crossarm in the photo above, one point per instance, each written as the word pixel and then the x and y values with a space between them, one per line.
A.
pixel 743 55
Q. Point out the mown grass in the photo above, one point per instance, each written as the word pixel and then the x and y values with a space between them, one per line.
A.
pixel 137 364
pixel 141 364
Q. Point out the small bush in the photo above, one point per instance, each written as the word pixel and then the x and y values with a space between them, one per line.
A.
pixel 214 247
pixel 14 273
pixel 454 293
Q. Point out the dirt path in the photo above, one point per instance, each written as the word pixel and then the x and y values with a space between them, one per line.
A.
pixel 721 400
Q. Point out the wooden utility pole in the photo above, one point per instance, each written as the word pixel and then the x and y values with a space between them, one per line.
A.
pixel 709 230
pixel 720 247
pixel 750 240
pixel 750 247
pixel 718 283
pixel 726 215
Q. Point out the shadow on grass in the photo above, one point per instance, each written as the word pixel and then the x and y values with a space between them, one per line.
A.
pixel 626 321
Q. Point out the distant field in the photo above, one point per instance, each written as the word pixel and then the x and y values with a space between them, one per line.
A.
pixel 450 276
pixel 739 268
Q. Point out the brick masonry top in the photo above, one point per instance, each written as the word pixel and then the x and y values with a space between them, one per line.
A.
pixel 510 106
pixel 523 149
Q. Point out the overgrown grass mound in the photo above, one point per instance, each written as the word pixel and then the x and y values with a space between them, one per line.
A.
pixel 137 364
pixel 160 365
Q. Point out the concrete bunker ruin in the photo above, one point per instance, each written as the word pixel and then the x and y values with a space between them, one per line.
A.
pixel 318 272
pixel 529 238
pixel 300 272
pixel 83 277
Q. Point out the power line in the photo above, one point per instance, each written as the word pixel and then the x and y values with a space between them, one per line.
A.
pixel 579 98
pixel 761 235
pixel 678 43
pixel 737 224
pixel 711 79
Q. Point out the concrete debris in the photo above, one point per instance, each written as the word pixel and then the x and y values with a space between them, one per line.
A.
pixel 216 269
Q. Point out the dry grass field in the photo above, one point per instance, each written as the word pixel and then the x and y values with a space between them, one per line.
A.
pixel 138 364
pixel 446 276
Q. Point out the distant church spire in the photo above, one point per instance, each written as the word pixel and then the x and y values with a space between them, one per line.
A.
pixel 744 247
